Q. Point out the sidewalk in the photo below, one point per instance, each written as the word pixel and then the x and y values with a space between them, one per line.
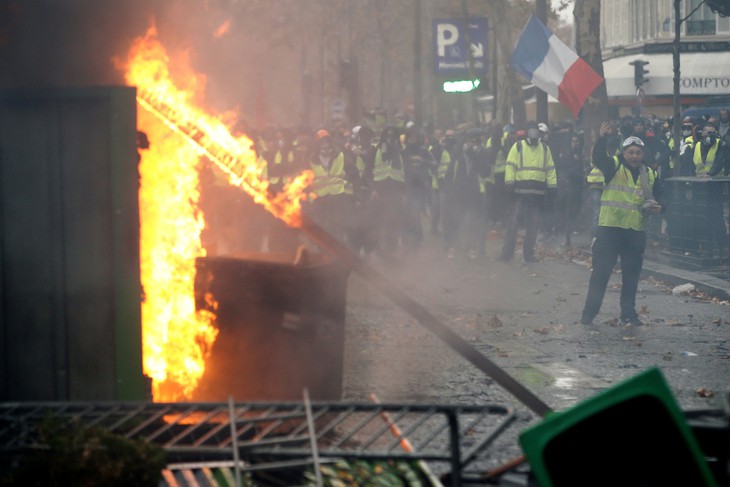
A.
pixel 714 286
pixel 657 266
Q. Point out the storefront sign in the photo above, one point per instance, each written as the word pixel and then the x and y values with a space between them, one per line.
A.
pixel 705 83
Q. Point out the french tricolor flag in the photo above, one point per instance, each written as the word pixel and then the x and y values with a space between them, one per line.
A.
pixel 553 67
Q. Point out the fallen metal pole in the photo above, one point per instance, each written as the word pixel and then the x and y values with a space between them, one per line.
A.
pixel 420 313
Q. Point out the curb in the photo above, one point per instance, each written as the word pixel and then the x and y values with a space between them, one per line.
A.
pixel 713 286
pixel 671 275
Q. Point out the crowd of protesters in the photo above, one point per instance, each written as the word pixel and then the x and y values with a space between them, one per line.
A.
pixel 381 187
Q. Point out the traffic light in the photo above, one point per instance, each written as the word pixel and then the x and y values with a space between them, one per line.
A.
pixel 639 72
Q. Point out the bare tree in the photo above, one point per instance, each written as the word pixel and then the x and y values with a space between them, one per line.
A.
pixel 587 18
pixel 507 28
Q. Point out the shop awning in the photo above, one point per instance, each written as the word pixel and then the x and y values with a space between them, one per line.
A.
pixel 701 73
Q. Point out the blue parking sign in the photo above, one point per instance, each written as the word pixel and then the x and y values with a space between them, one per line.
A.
pixel 451 56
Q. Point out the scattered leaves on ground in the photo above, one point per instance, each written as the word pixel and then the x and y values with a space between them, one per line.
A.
pixel 702 392
pixel 495 322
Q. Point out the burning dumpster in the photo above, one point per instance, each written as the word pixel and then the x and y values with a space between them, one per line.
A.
pixel 281 326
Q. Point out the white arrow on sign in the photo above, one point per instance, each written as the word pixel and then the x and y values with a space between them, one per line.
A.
pixel 477 50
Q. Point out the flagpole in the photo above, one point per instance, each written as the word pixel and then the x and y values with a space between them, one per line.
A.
pixel 541 102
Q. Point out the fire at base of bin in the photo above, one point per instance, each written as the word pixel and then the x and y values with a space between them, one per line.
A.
pixel 683 289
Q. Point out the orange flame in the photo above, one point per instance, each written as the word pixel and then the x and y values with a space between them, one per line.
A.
pixel 222 29
pixel 176 338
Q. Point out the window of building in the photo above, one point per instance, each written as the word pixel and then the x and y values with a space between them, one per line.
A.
pixel 702 22
pixel 723 25
pixel 643 20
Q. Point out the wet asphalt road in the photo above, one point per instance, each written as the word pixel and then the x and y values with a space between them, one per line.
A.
pixel 524 317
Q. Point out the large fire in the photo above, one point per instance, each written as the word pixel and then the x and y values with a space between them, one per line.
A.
pixel 176 338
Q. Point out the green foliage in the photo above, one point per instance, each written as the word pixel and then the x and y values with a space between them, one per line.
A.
pixel 69 453
pixel 382 473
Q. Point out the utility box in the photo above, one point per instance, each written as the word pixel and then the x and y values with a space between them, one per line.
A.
pixel 697 220
pixel 70 314
pixel 281 327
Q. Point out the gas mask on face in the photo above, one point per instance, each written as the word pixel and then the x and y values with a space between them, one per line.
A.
pixel 686 131
pixel 709 138
pixel 533 135
pixel 325 151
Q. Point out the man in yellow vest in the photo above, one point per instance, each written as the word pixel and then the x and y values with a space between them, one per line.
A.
pixel 333 194
pixel 702 156
pixel 442 152
pixel 389 193
pixel 529 173
pixel 632 192
pixel 359 159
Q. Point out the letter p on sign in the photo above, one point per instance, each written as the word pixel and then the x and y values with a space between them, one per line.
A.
pixel 446 35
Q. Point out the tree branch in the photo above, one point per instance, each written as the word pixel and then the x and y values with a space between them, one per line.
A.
pixel 692 12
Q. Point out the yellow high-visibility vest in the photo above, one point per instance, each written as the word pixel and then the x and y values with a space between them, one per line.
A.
pixel 623 199
pixel 528 163
pixel 332 181
pixel 595 178
pixel 384 170
pixel 703 167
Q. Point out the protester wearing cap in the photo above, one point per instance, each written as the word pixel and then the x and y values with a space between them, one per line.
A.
pixel 632 191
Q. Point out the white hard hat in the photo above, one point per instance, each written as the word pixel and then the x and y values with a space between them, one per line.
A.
pixel 542 127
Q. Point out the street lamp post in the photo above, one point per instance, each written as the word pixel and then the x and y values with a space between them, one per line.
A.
pixel 541 100
pixel 676 123
pixel 722 9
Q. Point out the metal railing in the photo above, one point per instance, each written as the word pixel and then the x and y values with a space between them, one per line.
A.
pixel 200 439
pixel 694 231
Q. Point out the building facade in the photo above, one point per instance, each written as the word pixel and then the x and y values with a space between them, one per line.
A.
pixel 644 30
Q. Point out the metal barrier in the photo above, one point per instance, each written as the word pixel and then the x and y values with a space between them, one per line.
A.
pixel 212 443
pixel 697 220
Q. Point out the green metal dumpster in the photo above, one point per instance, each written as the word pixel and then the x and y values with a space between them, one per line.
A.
pixel 697 219
pixel 70 292
pixel 281 326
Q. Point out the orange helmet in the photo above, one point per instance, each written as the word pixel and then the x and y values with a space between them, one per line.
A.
pixel 321 134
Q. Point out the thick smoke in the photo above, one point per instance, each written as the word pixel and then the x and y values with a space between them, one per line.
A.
pixel 73 43
pixel 52 43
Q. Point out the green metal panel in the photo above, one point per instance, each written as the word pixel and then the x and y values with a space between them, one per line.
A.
pixel 69 245
pixel 632 434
